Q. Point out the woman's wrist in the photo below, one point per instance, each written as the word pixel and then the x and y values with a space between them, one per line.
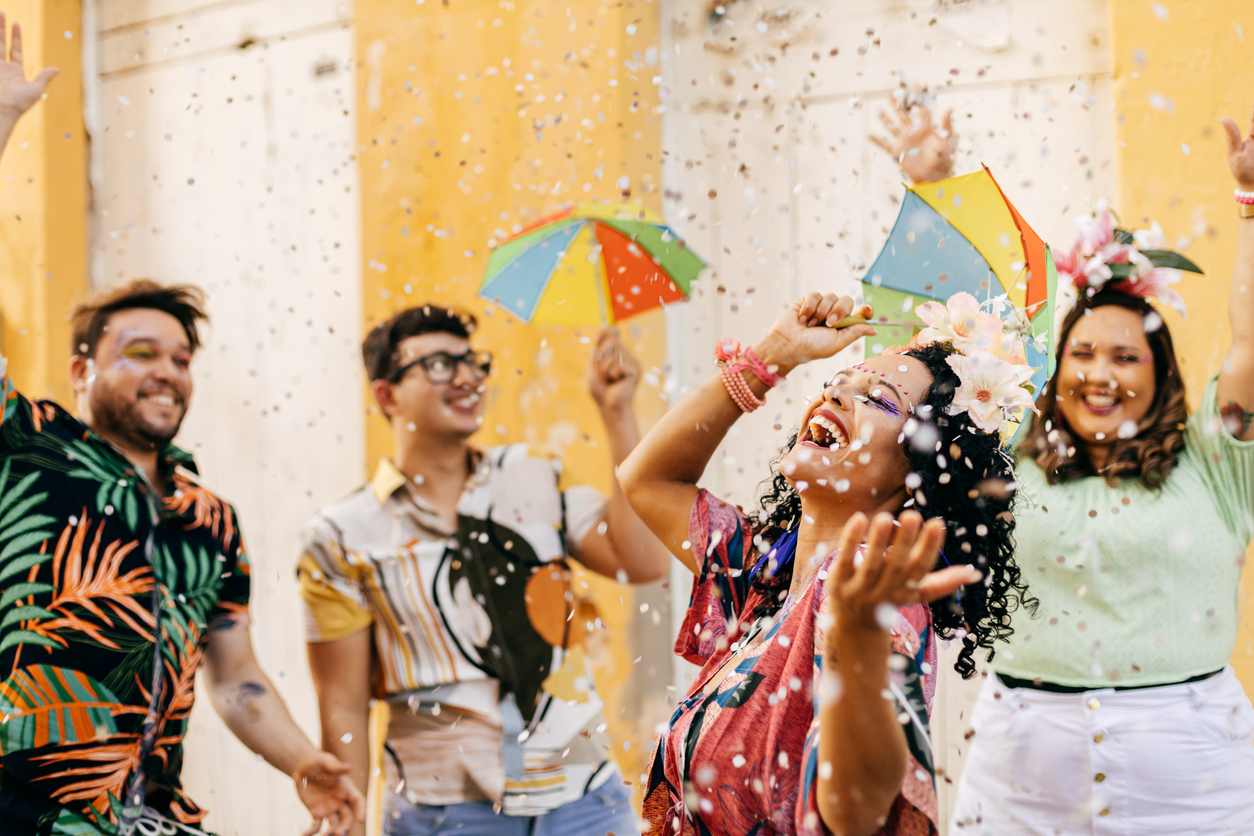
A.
pixel 854 639
pixel 776 354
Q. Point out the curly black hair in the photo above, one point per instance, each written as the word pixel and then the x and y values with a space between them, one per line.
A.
pixel 967 481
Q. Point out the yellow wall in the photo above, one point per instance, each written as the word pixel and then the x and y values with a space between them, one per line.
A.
pixel 43 206
pixel 1179 67
pixel 474 117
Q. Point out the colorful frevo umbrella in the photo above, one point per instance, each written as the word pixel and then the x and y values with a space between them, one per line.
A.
pixel 962 234
pixel 590 264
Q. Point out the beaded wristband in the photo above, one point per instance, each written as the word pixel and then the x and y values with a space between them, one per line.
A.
pixel 739 390
pixel 1243 197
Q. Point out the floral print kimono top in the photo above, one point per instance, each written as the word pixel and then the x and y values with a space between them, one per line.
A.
pixel 741 757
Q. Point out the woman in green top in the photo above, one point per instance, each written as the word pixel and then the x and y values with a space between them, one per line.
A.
pixel 1113 710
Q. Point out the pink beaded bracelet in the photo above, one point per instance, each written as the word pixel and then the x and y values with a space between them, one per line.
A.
pixel 1243 197
pixel 739 390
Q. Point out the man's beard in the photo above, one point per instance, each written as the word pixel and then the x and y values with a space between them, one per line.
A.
pixel 115 416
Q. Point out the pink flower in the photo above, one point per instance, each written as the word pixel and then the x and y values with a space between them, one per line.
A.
pixel 1096 230
pixel 1156 282
pixel 991 387
pixel 959 320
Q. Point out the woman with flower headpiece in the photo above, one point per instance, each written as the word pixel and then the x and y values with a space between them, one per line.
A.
pixel 1114 709
pixel 815 620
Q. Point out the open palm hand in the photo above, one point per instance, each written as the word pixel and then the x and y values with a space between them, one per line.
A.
pixel 1240 154
pixel 18 93
pixel 924 153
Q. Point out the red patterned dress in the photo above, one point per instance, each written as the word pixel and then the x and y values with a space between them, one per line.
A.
pixel 741 757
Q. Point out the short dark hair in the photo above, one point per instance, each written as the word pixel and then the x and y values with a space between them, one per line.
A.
pixel 378 350
pixel 1152 453
pixel 184 302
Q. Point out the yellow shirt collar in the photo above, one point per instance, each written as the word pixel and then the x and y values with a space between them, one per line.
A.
pixel 387 480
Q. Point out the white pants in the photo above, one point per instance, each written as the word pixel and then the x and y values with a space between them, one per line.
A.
pixel 1175 760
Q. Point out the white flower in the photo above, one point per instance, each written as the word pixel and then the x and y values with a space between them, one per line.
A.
pixel 959 320
pixel 990 388
pixel 1149 239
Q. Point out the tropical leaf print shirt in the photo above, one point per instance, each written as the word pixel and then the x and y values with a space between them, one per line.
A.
pixel 741 756
pixel 94 571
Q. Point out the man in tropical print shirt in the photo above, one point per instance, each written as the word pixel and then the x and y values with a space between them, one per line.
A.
pixel 120 574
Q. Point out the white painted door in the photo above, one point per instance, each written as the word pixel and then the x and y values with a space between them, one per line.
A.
pixel 224 139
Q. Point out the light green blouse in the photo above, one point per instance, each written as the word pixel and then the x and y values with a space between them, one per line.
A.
pixel 1137 586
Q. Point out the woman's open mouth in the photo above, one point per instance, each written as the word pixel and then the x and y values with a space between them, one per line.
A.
pixel 825 430
pixel 1100 402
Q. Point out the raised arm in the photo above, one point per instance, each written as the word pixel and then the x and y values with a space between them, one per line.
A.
pixel 17 94
pixel 862 750
pixel 1236 375
pixel 252 709
pixel 624 548
pixel 660 476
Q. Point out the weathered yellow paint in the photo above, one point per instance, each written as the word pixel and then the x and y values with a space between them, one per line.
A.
pixel 478 118
pixel 1179 67
pixel 43 206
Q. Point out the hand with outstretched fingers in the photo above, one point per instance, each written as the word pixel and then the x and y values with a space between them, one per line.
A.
pixel 804 332
pixel 886 564
pixel 924 154
pixel 613 373
pixel 1240 154
pixel 18 94
pixel 325 789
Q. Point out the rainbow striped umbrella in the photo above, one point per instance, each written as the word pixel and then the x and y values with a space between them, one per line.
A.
pixel 963 234
pixel 590 264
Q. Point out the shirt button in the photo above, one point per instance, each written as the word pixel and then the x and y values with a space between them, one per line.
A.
pixel 1095 703
pixel 1099 777
pixel 1105 811
pixel 1099 737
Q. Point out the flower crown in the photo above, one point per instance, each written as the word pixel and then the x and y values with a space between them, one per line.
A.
pixel 990 356
pixel 1134 263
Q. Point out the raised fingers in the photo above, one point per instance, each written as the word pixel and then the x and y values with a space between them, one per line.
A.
pixel 925 118
pixel 926 549
pixel 1234 135
pixel 15 46
pixel 894 125
pixel 808 305
pixel 850 538
pixel 879 533
pixel 883 143
pixel 897 559
pixel 832 309
pixel 937 585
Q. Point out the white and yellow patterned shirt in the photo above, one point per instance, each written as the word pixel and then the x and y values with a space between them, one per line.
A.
pixel 477 632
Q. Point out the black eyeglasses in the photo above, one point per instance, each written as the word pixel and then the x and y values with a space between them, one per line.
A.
pixel 441 367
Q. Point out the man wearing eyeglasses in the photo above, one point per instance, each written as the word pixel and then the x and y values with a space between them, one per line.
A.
pixel 442 587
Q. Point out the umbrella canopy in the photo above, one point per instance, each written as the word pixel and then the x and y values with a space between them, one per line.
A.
pixel 590 264
pixel 962 234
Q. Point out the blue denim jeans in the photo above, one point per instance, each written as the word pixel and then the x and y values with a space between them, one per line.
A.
pixel 606 811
